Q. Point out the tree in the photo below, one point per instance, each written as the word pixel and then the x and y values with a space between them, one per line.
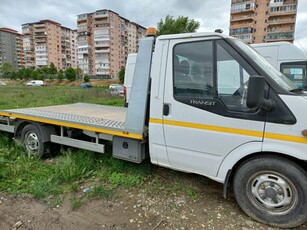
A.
pixel 52 70
pixel 86 78
pixel 13 75
pixel 45 71
pixel 70 74
pixel 61 75
pixel 121 75
pixel 27 73
pixel 6 70
pixel 79 72
pixel 37 74
pixel 175 26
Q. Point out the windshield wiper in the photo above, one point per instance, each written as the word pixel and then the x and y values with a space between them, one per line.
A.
pixel 297 90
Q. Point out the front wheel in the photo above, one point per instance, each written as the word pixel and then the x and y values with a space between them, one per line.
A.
pixel 272 190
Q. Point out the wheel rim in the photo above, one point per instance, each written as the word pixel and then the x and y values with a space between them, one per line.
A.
pixel 271 192
pixel 31 143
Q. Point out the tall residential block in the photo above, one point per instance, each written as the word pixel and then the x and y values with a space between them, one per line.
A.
pixel 104 41
pixel 11 48
pixel 257 21
pixel 47 42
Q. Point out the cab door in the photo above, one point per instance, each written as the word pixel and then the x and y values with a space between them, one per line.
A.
pixel 205 116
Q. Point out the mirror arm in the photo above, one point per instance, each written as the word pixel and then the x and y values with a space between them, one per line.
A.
pixel 267 105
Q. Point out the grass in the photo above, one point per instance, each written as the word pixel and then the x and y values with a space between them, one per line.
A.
pixel 51 179
pixel 66 173
pixel 19 96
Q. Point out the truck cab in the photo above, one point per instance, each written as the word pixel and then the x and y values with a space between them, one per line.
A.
pixel 216 109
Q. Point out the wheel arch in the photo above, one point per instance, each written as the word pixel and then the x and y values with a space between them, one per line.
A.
pixel 244 153
pixel 45 130
pixel 231 172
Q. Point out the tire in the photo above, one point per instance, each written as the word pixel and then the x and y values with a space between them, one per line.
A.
pixel 31 139
pixel 272 190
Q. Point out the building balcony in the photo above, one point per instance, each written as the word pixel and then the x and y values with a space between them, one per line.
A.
pixel 83 46
pixel 40 31
pixel 280 30
pixel 103 72
pixel 284 3
pixel 27 59
pixel 43 40
pixel 282 13
pixel 290 2
pixel 282 36
pixel 243 8
pixel 102 61
pixel 101 14
pixel 279 40
pixel 41 63
pixel 39 26
pixel 41 59
pixel 82 29
pixel 241 31
pixel 40 36
pixel 107 44
pixel 41 48
pixel 83 51
pixel 26 32
pixel 241 1
pixel 29 54
pixel 241 25
pixel 96 39
pixel 103 51
pixel 281 21
pixel 81 18
pixel 242 11
pixel 243 18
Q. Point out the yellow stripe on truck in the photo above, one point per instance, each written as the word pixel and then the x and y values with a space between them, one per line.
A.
pixel 280 137
pixel 73 125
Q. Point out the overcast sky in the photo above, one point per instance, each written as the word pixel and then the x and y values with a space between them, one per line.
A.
pixel 211 14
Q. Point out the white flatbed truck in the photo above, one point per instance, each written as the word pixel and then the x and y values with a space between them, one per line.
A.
pixel 204 103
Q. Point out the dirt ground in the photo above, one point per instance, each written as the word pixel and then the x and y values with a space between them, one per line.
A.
pixel 133 208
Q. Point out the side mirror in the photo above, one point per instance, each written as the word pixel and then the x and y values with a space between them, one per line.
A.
pixel 255 91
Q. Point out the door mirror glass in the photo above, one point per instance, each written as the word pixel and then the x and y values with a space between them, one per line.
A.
pixel 255 91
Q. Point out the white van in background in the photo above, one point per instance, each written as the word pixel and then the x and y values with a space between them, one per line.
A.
pixel 287 58
pixel 129 72
pixel 35 83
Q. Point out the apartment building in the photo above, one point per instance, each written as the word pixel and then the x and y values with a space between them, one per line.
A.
pixel 11 50
pixel 257 21
pixel 104 41
pixel 47 42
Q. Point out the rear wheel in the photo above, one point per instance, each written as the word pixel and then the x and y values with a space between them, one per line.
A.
pixel 31 138
pixel 272 190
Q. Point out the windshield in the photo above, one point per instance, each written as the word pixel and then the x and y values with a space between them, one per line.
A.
pixel 277 76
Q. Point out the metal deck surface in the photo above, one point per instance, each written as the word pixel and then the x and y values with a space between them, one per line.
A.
pixel 99 116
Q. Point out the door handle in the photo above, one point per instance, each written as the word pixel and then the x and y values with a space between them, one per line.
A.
pixel 165 109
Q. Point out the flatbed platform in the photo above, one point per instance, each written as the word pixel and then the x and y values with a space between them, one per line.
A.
pixel 85 116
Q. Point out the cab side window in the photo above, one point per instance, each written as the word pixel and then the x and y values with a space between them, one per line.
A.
pixel 232 80
pixel 211 75
pixel 192 70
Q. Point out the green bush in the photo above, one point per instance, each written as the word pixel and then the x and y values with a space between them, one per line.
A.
pixel 86 78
